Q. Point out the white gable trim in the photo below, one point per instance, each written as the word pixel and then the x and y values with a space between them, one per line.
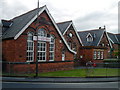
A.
pixel 44 9
pixel 24 28
pixel 88 35
pixel 75 32
pixel 116 37
pixel 67 28
pixel 110 39
pixel 59 30
pixel 107 38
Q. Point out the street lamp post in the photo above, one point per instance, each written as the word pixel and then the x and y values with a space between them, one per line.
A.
pixel 37 42
pixel 36 54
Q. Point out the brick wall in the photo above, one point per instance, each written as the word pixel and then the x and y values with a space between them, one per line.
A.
pixel 42 67
pixel 74 39
pixel 15 50
pixel 105 41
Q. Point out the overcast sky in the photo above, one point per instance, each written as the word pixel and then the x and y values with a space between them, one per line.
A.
pixel 86 14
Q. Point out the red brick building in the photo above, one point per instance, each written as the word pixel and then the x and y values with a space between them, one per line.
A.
pixel 24 34
pixel 71 36
pixel 114 39
pixel 96 45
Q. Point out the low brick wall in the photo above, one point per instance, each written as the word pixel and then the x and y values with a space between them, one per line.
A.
pixel 42 67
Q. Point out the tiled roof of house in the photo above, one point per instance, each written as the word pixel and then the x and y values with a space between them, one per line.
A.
pixel 118 37
pixel 96 34
pixel 63 26
pixel 113 37
pixel 18 23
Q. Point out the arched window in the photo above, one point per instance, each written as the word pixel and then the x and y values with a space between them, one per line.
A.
pixel 42 32
pixel 30 47
pixel 89 39
pixel 52 48
pixel 41 55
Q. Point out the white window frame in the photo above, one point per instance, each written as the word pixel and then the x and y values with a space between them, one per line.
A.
pixel 53 48
pixel 41 33
pixel 41 51
pixel 98 55
pixel 30 51
pixel 102 55
pixel 95 55
pixel 89 39
pixel 63 56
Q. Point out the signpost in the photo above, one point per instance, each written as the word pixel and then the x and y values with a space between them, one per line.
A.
pixel 41 38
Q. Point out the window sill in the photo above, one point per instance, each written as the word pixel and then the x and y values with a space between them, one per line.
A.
pixel 41 60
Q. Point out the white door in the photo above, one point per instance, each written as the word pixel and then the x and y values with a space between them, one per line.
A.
pixel 63 57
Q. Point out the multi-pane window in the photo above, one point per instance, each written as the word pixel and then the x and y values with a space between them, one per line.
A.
pixel 51 49
pixel 41 32
pixel 41 51
pixel 41 54
pixel 30 47
pixel 89 39
pixel 101 55
pixel 95 55
pixel 63 55
pixel 98 56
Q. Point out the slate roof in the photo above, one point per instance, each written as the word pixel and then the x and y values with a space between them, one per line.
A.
pixel 118 37
pixel 96 34
pixel 18 23
pixel 113 37
pixel 63 25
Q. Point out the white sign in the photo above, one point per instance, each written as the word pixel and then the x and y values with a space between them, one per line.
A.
pixel 42 38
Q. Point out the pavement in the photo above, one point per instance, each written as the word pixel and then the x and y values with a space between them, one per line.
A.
pixel 60 79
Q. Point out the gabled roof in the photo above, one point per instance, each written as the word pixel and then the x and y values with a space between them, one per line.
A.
pixel 113 38
pixel 21 22
pixel 118 37
pixel 64 26
pixel 96 34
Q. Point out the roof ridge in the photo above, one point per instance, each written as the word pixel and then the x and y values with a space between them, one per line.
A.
pixel 64 22
pixel 110 33
pixel 91 30
pixel 27 12
pixel 117 34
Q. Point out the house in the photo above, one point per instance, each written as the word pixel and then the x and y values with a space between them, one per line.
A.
pixel 71 36
pixel 114 39
pixel 34 36
pixel 96 45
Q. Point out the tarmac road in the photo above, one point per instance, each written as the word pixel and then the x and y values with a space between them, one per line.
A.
pixel 59 85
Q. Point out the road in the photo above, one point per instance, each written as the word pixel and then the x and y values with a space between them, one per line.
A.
pixel 59 85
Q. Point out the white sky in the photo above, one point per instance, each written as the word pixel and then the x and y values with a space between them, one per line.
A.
pixel 86 14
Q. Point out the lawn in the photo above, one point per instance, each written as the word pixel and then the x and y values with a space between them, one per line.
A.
pixel 82 73
pixel 76 73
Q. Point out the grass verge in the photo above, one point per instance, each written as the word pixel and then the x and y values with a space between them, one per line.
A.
pixel 74 73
